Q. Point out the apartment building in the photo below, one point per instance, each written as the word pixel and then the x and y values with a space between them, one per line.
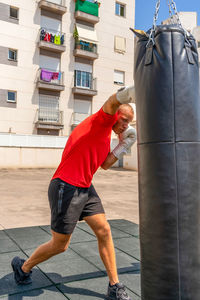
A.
pixel 189 22
pixel 60 60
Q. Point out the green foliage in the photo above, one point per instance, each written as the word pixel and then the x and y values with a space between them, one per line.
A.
pixel 75 34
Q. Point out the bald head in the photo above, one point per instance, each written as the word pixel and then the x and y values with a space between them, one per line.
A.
pixel 126 108
pixel 125 116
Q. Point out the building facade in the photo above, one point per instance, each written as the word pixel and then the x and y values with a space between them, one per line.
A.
pixel 60 60
pixel 189 22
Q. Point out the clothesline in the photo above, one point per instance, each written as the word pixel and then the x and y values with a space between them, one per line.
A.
pixel 47 36
pixel 48 76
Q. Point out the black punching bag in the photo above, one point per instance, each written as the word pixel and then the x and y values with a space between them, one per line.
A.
pixel 168 121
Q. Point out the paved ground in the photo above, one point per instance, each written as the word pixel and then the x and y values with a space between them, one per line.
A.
pixel 24 195
pixel 77 274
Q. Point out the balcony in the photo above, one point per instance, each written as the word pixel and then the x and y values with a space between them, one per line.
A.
pixel 49 119
pixel 84 84
pixel 86 50
pixel 51 40
pixel 56 6
pixel 50 80
pixel 87 11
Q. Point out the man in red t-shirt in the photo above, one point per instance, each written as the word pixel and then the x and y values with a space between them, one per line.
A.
pixel 72 196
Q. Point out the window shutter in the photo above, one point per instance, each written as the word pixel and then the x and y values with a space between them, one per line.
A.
pixel 119 77
pixel 120 44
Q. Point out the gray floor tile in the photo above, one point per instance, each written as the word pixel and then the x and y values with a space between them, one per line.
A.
pixel 70 270
pixel 29 237
pixel 84 226
pixel 48 293
pixel 25 231
pixel 87 249
pixel 7 245
pixel 3 235
pixel 46 228
pixel 125 226
pixel 120 222
pixel 90 289
pixel 80 236
pixel 116 233
pixel 132 281
pixel 7 283
pixel 125 263
pixel 129 245
pixel 132 230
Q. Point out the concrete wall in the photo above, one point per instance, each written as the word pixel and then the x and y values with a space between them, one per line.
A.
pixel 20 157
pixel 33 151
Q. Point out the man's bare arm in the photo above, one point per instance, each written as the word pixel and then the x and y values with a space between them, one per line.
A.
pixel 124 95
pixel 111 105
pixel 109 161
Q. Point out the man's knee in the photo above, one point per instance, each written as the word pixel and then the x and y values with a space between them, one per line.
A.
pixel 60 243
pixel 104 232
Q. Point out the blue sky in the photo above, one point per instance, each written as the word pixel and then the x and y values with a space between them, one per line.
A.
pixel 145 9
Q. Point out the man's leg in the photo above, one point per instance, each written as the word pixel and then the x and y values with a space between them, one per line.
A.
pixel 58 244
pixel 101 228
pixel 22 269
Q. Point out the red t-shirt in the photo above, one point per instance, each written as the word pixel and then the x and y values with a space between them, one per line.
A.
pixel 86 149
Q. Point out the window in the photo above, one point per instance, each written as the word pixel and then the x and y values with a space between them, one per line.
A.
pixel 14 12
pixel 119 77
pixel 120 44
pixel 120 9
pixel 83 79
pixel 49 109
pixel 12 54
pixel 12 95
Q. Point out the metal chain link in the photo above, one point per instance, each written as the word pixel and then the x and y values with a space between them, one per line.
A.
pixel 172 5
pixel 170 11
pixel 156 14
pixel 151 39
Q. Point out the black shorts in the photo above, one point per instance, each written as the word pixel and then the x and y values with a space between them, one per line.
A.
pixel 70 203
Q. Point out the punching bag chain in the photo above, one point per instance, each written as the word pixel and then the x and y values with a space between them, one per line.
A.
pixel 151 35
pixel 172 5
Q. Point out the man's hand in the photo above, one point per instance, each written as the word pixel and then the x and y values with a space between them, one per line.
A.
pixel 126 94
pixel 126 140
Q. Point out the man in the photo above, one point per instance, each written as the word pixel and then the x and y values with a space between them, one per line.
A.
pixel 72 197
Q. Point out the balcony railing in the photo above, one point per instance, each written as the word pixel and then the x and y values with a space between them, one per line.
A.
pixel 84 80
pixel 52 36
pixel 88 7
pixel 59 2
pixel 57 6
pixel 48 115
pixel 86 46
pixel 50 76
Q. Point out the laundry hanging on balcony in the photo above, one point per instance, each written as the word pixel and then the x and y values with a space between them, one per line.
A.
pixel 48 76
pixel 47 36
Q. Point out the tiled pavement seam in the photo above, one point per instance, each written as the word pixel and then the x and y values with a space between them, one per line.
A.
pixel 78 280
